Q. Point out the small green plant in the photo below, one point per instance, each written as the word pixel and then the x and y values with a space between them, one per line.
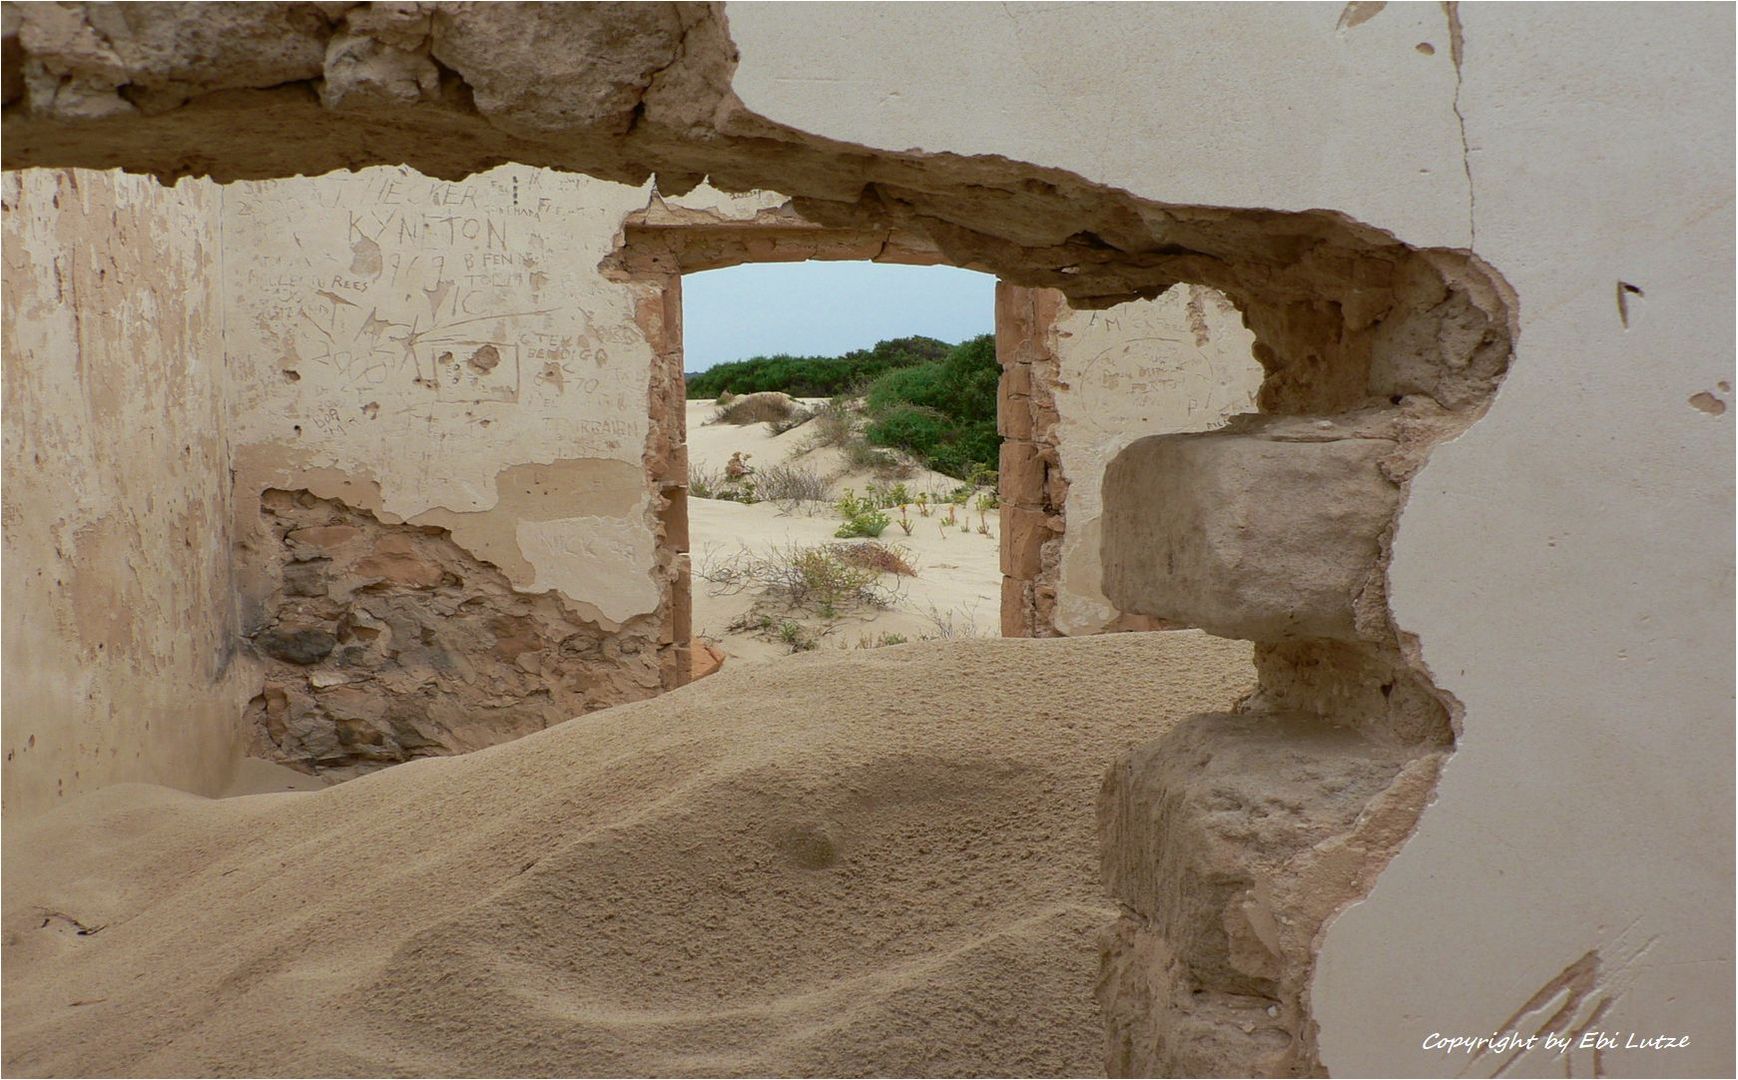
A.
pixel 863 516
pixel 870 523
pixel 923 503
pixel 703 482
pixel 986 502
pixel 881 641
pixel 792 634
pixel 849 505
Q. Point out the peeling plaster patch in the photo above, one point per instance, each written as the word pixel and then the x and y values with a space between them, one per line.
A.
pixel 534 491
pixel 383 642
pixel 1628 309
pixel 1708 403
pixel 608 560
pixel 1360 12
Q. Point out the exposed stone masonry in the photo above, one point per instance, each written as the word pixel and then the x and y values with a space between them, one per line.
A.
pixel 1034 490
pixel 383 643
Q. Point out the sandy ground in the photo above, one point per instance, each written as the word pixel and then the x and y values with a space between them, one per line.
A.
pixel 843 863
pixel 956 592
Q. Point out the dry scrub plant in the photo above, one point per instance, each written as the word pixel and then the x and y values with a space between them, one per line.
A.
pixel 754 409
pixel 788 485
pixel 815 578
pixel 879 557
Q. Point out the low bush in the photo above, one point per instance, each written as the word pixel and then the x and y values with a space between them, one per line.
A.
pixel 835 424
pixel 869 523
pixel 787 484
pixel 943 413
pixel 870 555
pixel 704 483
pixel 815 577
pixel 754 409
pixel 815 376
pixel 798 417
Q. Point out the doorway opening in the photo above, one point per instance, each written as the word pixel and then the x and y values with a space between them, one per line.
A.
pixel 843 457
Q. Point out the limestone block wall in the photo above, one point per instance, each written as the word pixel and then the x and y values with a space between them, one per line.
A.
pixel 450 429
pixel 120 637
pixel 1179 363
pixel 1079 386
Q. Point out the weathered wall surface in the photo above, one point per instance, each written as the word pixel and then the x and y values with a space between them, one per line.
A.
pixel 419 357
pixel 1561 589
pixel 1596 682
pixel 1567 565
pixel 1148 367
pixel 120 646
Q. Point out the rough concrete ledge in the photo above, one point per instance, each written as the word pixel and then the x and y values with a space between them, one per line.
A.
pixel 1249 535
pixel 1198 829
pixel 1231 842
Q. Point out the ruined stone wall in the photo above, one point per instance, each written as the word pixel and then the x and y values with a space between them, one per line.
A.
pixel 1080 385
pixel 1407 200
pixel 120 637
pixel 456 451
pixel 1034 489
pixel 438 374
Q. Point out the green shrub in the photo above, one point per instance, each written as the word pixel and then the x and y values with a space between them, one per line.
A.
pixel 943 413
pixel 934 402
pixel 815 376
pixel 870 523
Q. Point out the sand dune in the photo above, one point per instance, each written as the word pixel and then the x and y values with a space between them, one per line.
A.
pixel 875 862
pixel 957 589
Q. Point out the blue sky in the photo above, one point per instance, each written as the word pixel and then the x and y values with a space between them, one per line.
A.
pixel 827 308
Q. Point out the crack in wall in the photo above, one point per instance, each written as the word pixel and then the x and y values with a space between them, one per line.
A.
pixel 1456 49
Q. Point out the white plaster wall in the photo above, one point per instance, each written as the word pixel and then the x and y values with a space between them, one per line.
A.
pixel 119 629
pixel 1272 105
pixel 1148 367
pixel 354 305
pixel 1566 564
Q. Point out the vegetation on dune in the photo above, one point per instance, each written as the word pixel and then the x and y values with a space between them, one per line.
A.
pixel 935 402
pixel 770 408
pixel 815 376
pixel 943 413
